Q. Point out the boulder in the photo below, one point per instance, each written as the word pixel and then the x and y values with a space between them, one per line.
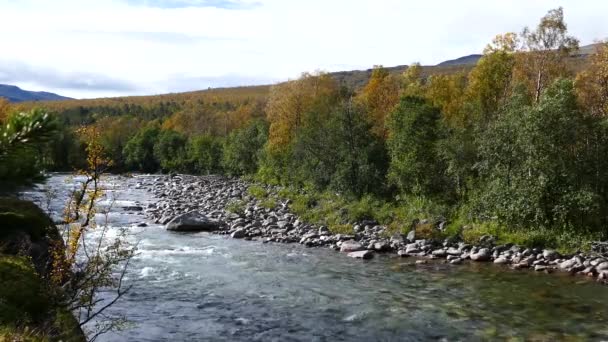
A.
pixel 193 222
pixel 350 246
pixel 412 248
pixel 482 255
pixel 602 267
pixel 501 260
pixel 366 254
pixel 550 254
pixel 238 234
pixel 411 236
pixel 568 264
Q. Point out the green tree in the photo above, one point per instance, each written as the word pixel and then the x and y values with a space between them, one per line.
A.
pixel 414 134
pixel 243 148
pixel 531 162
pixel 170 151
pixel 204 154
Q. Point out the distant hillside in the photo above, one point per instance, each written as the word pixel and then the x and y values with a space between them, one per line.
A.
pixel 470 59
pixel 355 79
pixel 16 94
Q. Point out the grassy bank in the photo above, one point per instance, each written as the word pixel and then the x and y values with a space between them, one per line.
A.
pixel 29 308
pixel 340 214
pixel 28 311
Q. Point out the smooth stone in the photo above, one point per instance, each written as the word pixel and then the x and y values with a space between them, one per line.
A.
pixel 482 255
pixel 540 268
pixel 456 261
pixel 421 262
pixel 366 254
pixel 350 246
pixel 440 253
pixel 402 253
pixel 501 261
pixel 238 234
pixel 550 254
pixel 602 267
pixel 412 248
pixel 567 264
pixel 193 222
pixel 411 236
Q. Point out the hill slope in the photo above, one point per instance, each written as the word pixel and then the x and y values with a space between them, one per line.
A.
pixel 16 94
pixel 355 79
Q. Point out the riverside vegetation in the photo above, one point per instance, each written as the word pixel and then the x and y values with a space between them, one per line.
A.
pixel 515 148
pixel 512 151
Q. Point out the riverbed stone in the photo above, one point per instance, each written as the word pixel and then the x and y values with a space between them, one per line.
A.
pixel 239 234
pixel 501 260
pixel 403 253
pixel 602 267
pixel 439 253
pixel 568 264
pixel 412 248
pixel 365 254
pixel 193 221
pixel 411 236
pixel 550 254
pixel 350 246
pixel 482 255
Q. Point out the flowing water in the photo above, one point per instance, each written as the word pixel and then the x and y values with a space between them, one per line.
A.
pixel 202 287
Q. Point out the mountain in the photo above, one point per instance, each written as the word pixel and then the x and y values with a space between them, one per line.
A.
pixel 16 94
pixel 470 59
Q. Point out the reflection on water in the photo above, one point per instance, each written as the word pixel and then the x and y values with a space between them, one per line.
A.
pixel 212 288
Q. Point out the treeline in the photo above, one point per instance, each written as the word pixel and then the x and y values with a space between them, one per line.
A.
pixel 519 141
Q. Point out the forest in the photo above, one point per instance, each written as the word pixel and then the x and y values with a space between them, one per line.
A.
pixel 516 146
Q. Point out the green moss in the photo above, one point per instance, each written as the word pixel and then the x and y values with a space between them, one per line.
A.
pixel 18 215
pixel 23 298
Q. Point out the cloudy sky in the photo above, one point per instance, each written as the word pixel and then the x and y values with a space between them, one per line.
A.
pixel 94 48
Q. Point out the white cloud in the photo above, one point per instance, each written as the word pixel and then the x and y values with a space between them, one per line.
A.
pixel 169 45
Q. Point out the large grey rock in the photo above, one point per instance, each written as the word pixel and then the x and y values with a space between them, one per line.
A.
pixel 440 253
pixel 367 254
pixel 193 222
pixel 482 255
pixel 550 254
pixel 412 248
pixel 350 246
pixel 411 236
pixel 602 267
pixel 501 260
pixel 568 264
pixel 238 234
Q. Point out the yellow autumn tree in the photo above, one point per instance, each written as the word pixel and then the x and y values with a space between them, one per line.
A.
pixel 5 107
pixel 379 97
pixel 592 84
pixel 446 92
pixel 413 81
pixel 291 102
pixel 545 49
pixel 490 81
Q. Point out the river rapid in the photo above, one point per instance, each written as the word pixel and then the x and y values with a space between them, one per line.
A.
pixel 204 287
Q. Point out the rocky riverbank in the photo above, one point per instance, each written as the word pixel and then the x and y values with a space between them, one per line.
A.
pixel 229 209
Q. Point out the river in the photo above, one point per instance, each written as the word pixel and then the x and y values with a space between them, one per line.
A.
pixel 203 287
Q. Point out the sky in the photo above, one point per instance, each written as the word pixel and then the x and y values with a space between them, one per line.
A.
pixel 100 48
